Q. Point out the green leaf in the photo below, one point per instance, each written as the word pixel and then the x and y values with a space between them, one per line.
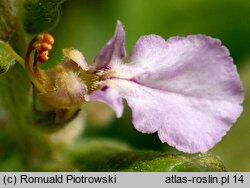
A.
pixel 7 19
pixel 5 59
pixel 108 156
pixel 41 15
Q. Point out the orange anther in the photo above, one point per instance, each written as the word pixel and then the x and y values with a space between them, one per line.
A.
pixel 47 38
pixel 45 47
pixel 43 57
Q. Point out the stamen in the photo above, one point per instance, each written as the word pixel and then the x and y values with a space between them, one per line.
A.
pixel 47 38
pixel 43 56
pixel 41 45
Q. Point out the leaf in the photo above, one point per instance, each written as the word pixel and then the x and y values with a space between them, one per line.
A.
pixel 7 19
pixel 5 60
pixel 41 15
pixel 107 156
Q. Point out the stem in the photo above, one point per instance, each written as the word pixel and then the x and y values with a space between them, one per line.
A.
pixel 28 65
pixel 10 50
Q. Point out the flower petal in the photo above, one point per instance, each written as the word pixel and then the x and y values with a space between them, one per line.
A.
pixel 111 98
pixel 113 52
pixel 187 89
pixel 76 59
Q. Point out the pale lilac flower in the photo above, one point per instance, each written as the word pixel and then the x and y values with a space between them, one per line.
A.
pixel 186 89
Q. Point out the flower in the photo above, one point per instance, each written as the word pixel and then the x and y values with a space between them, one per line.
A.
pixel 186 89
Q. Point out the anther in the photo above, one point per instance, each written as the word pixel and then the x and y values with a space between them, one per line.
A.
pixel 44 47
pixel 47 38
pixel 43 57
